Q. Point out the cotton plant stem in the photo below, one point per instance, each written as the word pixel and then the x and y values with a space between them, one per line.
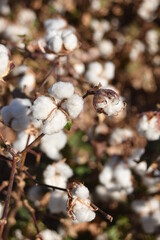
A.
pixel 3 221
pixel 32 212
pixel 32 143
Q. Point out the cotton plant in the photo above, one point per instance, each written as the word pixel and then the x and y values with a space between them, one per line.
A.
pixel 54 110
pixel 116 180
pixel 148 125
pixel 59 36
pixel 52 144
pixel 98 73
pixel 149 212
pixel 5 64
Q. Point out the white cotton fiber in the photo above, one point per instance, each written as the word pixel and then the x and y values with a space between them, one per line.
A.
pixel 61 90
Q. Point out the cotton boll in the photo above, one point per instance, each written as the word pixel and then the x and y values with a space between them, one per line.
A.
pixel 6 114
pixel 26 16
pixel 82 213
pixel 51 144
pixel 96 67
pixel 119 135
pixel 64 170
pixel 20 143
pixel 3 24
pixel 22 69
pixel 3 49
pixel 61 90
pixel 106 175
pixel 48 234
pixel 20 107
pixel 73 105
pixel 56 122
pixel 57 202
pixel 106 48
pixel 123 175
pixel 27 82
pixel 81 192
pixel 66 32
pixel 21 123
pixel 109 70
pixel 4 62
pixel 79 68
pixel 55 23
pixel 42 107
pixel 55 44
pixel 49 172
pixel 13 32
pixel 70 42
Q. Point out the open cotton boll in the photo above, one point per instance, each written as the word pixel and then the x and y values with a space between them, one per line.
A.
pixel 106 48
pixel 48 234
pixel 51 144
pixel 26 16
pixel 20 107
pixel 109 70
pixel 73 105
pixel 94 79
pixel 42 107
pixel 79 68
pixel 27 82
pixel 61 90
pixel 6 114
pixel 57 202
pixel 49 172
pixel 55 23
pixel 119 135
pixel 56 122
pixel 55 44
pixel 20 143
pixel 4 62
pixel 64 170
pixel 3 49
pixel 96 67
pixel 123 175
pixel 82 213
pixel 81 192
pixel 14 31
pixel 106 175
pixel 21 123
pixel 70 42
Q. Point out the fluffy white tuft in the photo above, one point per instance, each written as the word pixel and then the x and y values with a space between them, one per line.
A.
pixel 61 90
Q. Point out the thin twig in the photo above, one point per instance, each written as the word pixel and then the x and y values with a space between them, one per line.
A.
pixel 7 201
pixel 32 143
pixel 43 184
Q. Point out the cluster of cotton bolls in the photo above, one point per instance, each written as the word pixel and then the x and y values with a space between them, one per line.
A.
pixel 79 208
pixel 60 36
pixel 57 175
pixel 4 61
pixel 21 27
pixel 147 9
pixel 148 126
pixel 149 212
pixel 98 73
pixel 53 110
pixel 116 180
pixel 99 29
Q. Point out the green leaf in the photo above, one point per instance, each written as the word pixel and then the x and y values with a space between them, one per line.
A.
pixel 68 125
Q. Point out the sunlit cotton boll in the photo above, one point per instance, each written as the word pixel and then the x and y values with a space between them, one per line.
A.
pixel 42 107
pixel 52 144
pixel 21 141
pixel 149 127
pixel 106 48
pixel 55 23
pixel 73 105
pixel 26 16
pixel 14 31
pixel 27 82
pixel 119 135
pixel 109 70
pixel 70 42
pixel 81 191
pixel 57 202
pixel 108 102
pixel 82 213
pixel 48 234
pixel 54 123
pixel 55 44
pixel 61 90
